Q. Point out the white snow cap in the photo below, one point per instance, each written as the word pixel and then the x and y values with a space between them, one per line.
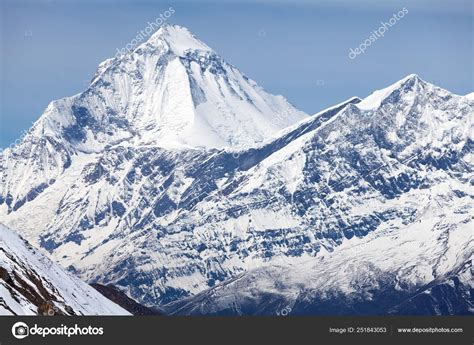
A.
pixel 470 96
pixel 198 101
pixel 374 100
pixel 179 39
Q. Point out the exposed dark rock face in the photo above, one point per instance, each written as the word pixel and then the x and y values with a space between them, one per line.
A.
pixel 117 296
pixel 32 288
pixel 31 284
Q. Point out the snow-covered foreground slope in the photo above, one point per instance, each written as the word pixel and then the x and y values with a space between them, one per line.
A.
pixel 31 284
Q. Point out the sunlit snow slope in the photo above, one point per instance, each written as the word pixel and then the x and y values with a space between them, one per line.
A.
pixel 31 284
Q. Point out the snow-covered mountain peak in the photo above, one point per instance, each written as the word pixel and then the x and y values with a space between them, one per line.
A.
pixel 171 91
pixel 376 99
pixel 179 40
pixel 413 108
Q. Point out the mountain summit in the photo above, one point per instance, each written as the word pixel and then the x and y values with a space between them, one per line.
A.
pixel 178 39
pixel 171 91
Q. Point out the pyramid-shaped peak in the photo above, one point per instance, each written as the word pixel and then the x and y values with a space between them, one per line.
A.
pixel 178 38
pixel 409 81
pixel 173 90
pixel 412 76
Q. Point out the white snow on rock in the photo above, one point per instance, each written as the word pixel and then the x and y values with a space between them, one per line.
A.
pixel 374 100
pixel 29 281
pixel 470 96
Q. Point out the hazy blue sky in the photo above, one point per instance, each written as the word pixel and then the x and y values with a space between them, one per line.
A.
pixel 50 49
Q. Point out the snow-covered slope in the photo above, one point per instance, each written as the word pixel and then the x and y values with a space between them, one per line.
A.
pixel 90 213
pixel 173 173
pixel 31 284
pixel 385 190
pixel 422 267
